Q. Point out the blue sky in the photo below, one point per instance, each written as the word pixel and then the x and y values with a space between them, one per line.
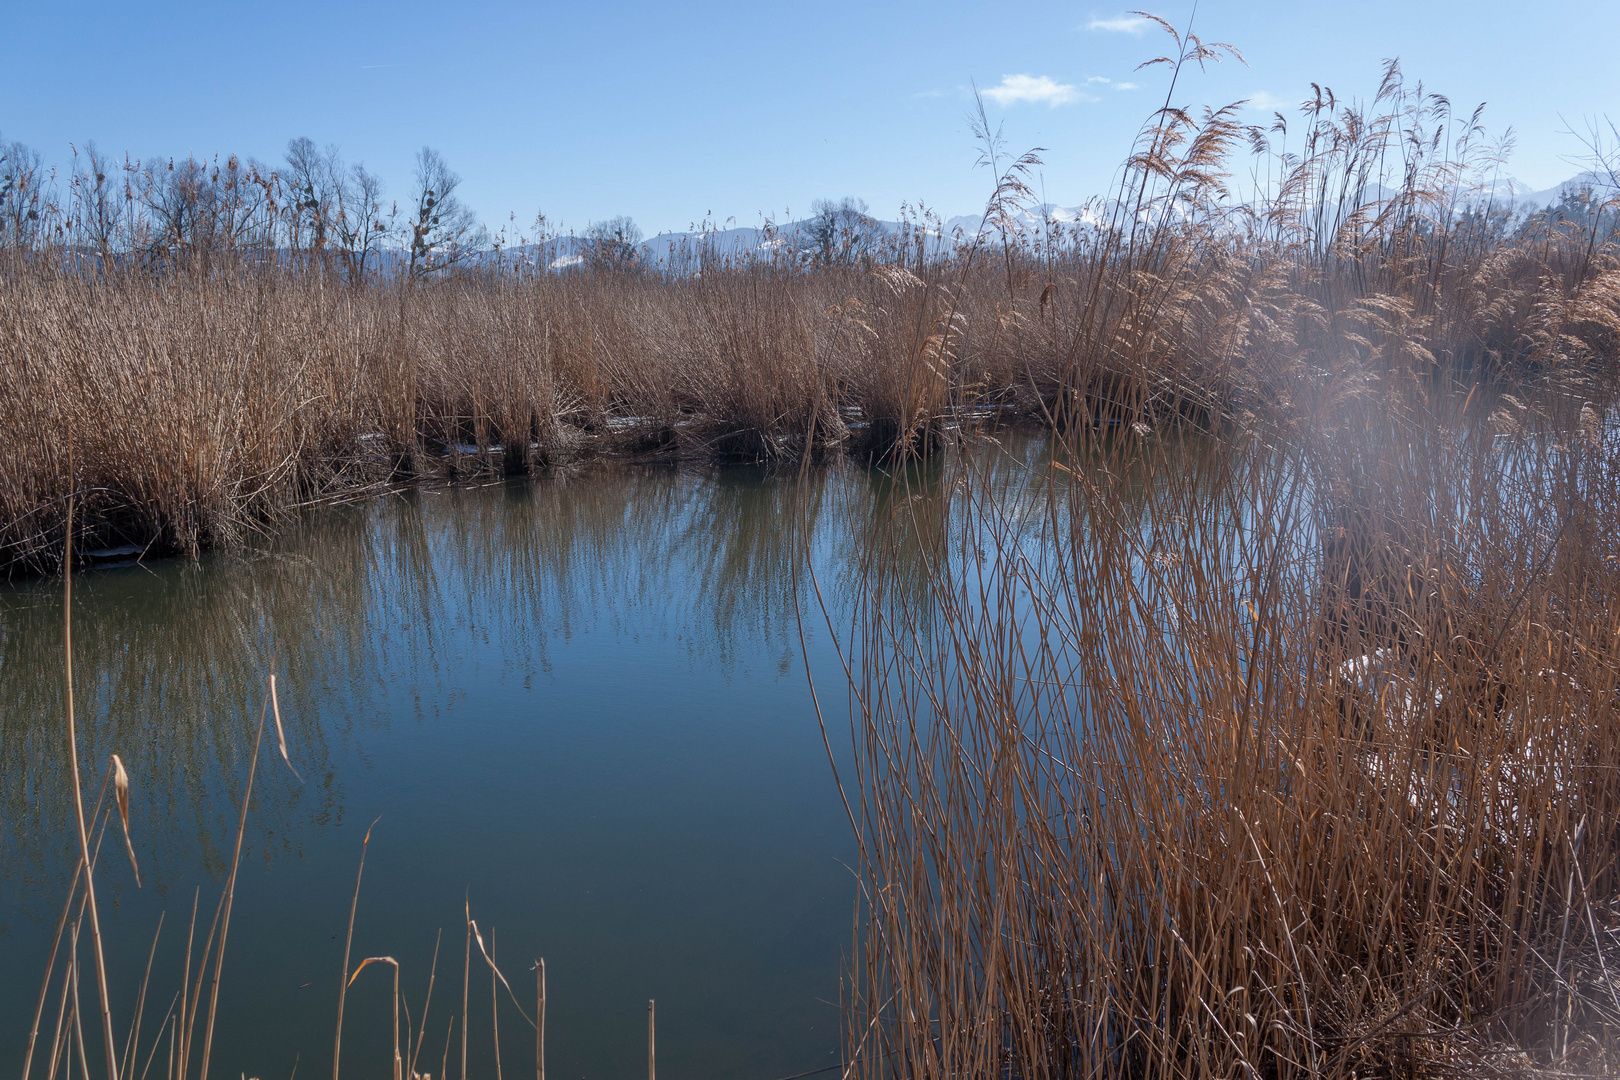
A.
pixel 671 112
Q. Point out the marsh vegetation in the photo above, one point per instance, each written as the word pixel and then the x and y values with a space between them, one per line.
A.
pixel 1261 723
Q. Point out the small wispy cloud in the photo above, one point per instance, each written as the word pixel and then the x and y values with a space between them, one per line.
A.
pixel 1035 89
pixel 1264 102
pixel 1110 83
pixel 1119 24
pixel 928 94
pixel 1127 86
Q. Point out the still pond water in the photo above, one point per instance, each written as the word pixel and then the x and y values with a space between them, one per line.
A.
pixel 578 704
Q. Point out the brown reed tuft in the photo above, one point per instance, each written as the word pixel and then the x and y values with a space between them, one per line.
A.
pixel 204 399
pixel 1281 753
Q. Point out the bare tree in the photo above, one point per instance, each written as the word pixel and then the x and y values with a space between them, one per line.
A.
pixel 23 203
pixel 331 208
pixel 313 179
pixel 98 206
pixel 359 223
pixel 841 232
pixel 198 210
pixel 173 198
pixel 613 244
pixel 444 231
pixel 1603 164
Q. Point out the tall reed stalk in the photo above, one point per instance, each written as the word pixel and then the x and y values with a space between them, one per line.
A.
pixel 1231 263
pixel 86 864
pixel 1286 752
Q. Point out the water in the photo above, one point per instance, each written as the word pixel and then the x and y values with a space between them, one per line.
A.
pixel 576 704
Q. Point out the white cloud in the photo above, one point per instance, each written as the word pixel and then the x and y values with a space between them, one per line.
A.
pixel 1037 89
pixel 1127 86
pixel 928 94
pixel 1265 102
pixel 1119 24
pixel 1097 79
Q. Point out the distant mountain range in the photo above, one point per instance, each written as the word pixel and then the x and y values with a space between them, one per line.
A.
pixel 675 249
pixel 1525 199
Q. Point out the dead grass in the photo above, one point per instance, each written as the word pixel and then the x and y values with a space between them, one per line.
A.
pixel 1268 730
pixel 188 404
pixel 58 1048
pixel 1294 755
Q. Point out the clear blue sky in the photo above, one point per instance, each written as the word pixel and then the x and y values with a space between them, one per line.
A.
pixel 667 112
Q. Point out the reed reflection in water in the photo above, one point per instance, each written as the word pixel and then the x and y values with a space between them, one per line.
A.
pixel 578 699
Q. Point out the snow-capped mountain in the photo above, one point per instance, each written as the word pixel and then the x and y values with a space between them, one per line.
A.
pixel 1526 199
pixel 684 251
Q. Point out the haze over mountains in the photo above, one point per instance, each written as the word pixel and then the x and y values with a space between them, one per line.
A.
pixel 671 249
pixel 1528 200
pixel 798 235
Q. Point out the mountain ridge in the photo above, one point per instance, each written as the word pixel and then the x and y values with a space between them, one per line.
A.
pixel 672 248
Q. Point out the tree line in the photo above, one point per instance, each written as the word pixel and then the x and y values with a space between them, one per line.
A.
pixel 312 207
pixel 316 209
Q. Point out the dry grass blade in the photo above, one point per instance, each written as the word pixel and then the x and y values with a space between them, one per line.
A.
pixel 281 735
pixel 133 1040
pixel 427 1004
pixel 371 960
pixel 494 1005
pixel 56 943
pixel 121 795
pixel 75 1033
pixel 540 1019
pixel 169 1021
pixel 348 943
pixel 398 1061
pixel 496 972
pixel 59 1031
pixel 466 976
pixel 228 899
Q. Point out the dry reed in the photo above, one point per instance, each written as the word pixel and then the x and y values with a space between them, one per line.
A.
pixel 1287 752
pixel 68 1042
pixel 200 400
pixel 1276 743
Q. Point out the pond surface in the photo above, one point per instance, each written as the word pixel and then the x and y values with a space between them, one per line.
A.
pixel 577 705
